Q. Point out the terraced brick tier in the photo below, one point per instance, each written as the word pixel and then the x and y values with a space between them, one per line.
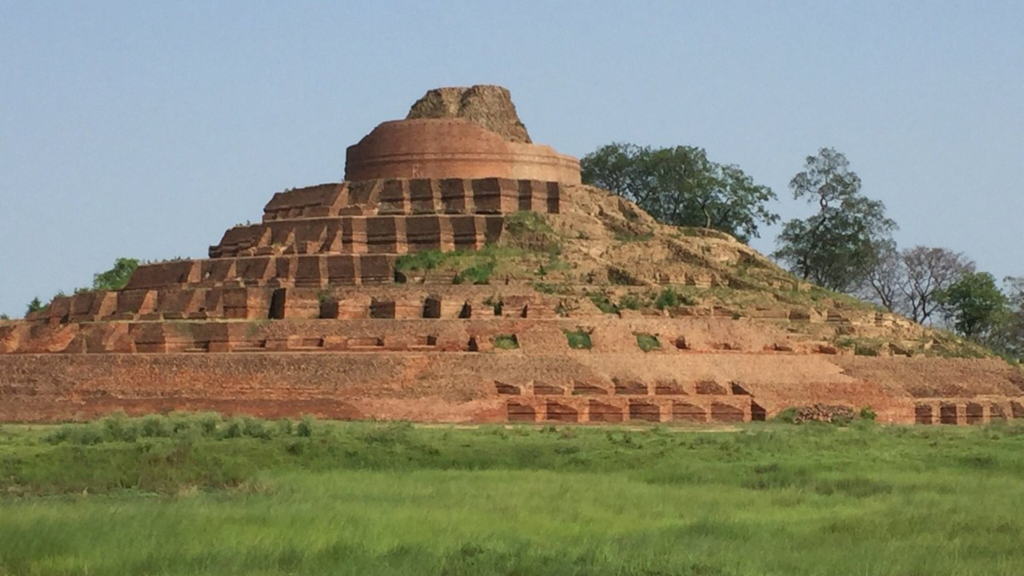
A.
pixel 452 148
pixel 424 370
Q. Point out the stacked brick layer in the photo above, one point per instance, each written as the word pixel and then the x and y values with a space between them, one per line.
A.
pixel 419 385
pixel 316 238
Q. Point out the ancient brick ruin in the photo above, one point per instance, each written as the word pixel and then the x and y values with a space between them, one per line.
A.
pixel 306 312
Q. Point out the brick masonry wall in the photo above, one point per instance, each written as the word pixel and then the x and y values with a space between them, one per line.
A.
pixel 453 386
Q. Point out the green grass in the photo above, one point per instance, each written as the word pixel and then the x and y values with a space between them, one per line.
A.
pixel 630 236
pixel 631 302
pixel 476 274
pixel 469 267
pixel 578 339
pixel 861 346
pixel 365 498
pixel 505 342
pixel 530 245
pixel 670 298
pixel 531 231
pixel 425 260
pixel 647 342
pixel 603 303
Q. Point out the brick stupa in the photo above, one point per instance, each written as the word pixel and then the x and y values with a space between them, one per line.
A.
pixel 305 312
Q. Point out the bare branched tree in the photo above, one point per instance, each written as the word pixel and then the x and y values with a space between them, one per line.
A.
pixel 886 281
pixel 929 271
pixel 909 281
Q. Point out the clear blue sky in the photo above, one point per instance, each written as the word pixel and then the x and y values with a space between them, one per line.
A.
pixel 147 128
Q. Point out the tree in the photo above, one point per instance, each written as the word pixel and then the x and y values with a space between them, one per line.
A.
pixel 1008 338
pixel 929 272
pixel 117 277
pixel 682 187
pixel 886 280
pixel 35 306
pixel 908 281
pixel 974 305
pixel 839 246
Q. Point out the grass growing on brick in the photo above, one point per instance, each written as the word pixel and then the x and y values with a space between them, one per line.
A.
pixel 505 342
pixel 479 266
pixel 578 339
pixel 204 496
pixel 669 297
pixel 603 303
pixel 647 342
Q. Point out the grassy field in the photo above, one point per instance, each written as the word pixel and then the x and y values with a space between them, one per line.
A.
pixel 187 495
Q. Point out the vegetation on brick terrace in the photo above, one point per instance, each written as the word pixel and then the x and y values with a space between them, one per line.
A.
pixel 578 339
pixel 505 342
pixel 529 239
pixel 647 342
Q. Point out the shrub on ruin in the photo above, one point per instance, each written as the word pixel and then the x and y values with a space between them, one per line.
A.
pixel 647 342
pixel 505 342
pixel 603 303
pixel 117 277
pixel 578 339
pixel 866 413
pixel 478 274
pixel 669 297
pixel 545 287
pixel 630 302
pixel 425 260
pixel 36 305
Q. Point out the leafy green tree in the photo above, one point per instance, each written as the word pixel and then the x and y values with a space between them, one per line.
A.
pixel 682 187
pixel 974 305
pixel 838 247
pixel 1008 338
pixel 35 305
pixel 117 277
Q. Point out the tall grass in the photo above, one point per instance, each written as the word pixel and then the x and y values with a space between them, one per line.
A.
pixel 367 498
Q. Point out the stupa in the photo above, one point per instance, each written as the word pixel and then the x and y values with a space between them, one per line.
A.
pixel 462 273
